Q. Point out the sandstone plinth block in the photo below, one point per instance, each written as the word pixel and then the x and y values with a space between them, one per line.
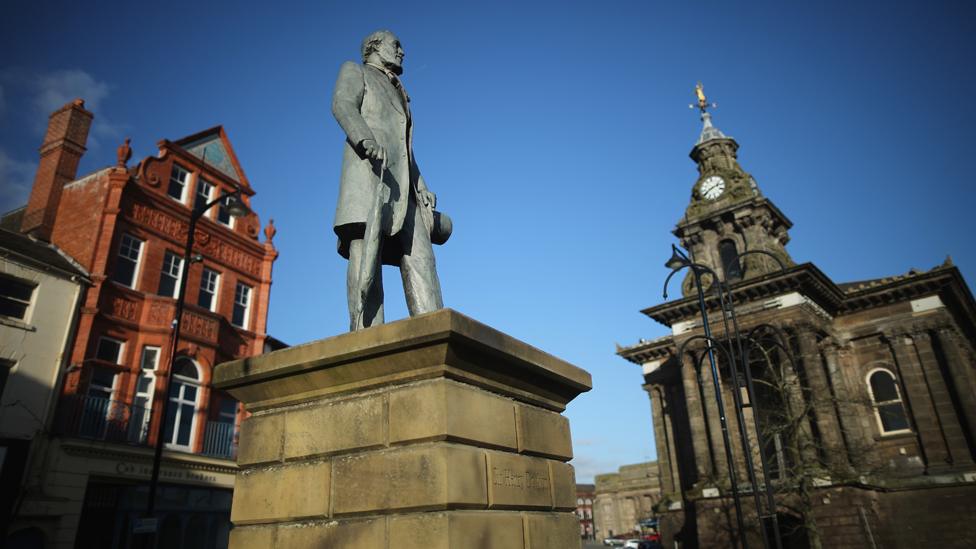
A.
pixel 335 427
pixel 543 433
pixel 344 534
pixel 448 410
pixel 518 482
pixel 436 476
pixel 461 529
pixel 265 436
pixel 282 493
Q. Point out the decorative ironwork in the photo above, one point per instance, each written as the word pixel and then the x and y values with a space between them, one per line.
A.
pixel 735 351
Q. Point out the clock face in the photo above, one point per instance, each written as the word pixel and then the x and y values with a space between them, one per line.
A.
pixel 712 187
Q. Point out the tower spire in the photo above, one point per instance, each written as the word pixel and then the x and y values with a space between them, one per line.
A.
pixel 708 130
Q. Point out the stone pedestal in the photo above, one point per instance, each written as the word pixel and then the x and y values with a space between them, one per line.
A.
pixel 433 432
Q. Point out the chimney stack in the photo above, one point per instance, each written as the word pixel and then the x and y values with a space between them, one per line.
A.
pixel 64 144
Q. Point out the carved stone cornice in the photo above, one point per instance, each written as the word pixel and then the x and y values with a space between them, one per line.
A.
pixel 646 351
pixel 804 278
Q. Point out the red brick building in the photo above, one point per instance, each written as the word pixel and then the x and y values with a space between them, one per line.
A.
pixel 585 493
pixel 127 226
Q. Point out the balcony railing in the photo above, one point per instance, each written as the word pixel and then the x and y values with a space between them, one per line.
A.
pixel 103 419
pixel 114 421
pixel 220 440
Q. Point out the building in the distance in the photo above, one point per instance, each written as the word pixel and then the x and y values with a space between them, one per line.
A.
pixel 864 392
pixel 626 498
pixel 127 228
pixel 585 494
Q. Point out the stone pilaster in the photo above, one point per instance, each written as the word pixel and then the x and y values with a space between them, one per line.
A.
pixel 856 440
pixel 822 397
pixel 431 432
pixel 962 376
pixel 663 439
pixel 957 450
pixel 702 417
pixel 916 400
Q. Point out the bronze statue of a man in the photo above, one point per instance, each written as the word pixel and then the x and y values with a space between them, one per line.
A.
pixel 385 214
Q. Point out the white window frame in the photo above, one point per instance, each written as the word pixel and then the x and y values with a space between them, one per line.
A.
pixel 28 305
pixel 230 218
pixel 216 287
pixel 138 259
pixel 177 401
pixel 875 404
pixel 145 371
pixel 103 388
pixel 247 305
pixel 142 359
pixel 201 182
pixel 175 175
pixel 167 270
pixel 121 357
pixel 92 424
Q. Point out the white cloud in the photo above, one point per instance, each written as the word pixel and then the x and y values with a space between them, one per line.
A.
pixel 45 92
pixel 54 89
pixel 16 179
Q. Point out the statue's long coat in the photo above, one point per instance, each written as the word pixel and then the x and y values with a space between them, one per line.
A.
pixel 368 106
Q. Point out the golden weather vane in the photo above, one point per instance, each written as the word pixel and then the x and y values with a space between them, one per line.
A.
pixel 703 104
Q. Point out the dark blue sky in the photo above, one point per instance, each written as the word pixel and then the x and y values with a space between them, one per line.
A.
pixel 556 135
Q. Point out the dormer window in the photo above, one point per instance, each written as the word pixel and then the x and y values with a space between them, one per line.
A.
pixel 178 181
pixel 223 215
pixel 205 193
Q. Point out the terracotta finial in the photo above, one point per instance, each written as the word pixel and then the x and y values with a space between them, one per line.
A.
pixel 270 231
pixel 124 153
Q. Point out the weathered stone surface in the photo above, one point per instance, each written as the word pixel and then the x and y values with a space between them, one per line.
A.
pixel 447 410
pixel 335 427
pixel 381 438
pixel 563 480
pixel 334 534
pixel 253 537
pixel 282 493
pixel 457 529
pixel 551 531
pixel 518 482
pixel 436 476
pixel 261 439
pixel 444 343
pixel 543 433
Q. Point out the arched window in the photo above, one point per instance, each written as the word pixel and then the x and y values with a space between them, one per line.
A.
pixel 729 255
pixel 886 399
pixel 184 394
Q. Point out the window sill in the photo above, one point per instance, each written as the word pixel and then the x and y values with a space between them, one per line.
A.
pixel 894 435
pixel 13 323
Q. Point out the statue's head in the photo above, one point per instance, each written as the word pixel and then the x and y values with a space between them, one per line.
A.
pixel 384 47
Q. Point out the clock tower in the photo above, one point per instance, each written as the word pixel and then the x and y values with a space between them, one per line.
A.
pixel 728 215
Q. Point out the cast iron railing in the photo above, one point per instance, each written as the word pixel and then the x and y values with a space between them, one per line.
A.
pixel 99 418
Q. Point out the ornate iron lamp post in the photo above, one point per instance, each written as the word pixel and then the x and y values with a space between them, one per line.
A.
pixel 732 354
pixel 236 208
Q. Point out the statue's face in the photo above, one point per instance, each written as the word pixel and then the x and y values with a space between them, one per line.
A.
pixel 391 53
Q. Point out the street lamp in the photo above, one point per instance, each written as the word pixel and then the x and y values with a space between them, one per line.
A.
pixel 236 208
pixel 677 262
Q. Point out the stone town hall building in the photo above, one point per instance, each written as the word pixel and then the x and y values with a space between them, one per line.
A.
pixel 127 227
pixel 865 392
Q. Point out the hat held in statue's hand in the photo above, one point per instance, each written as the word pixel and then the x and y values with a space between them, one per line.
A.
pixel 442 228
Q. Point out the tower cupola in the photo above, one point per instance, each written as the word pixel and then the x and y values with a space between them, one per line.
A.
pixel 727 214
